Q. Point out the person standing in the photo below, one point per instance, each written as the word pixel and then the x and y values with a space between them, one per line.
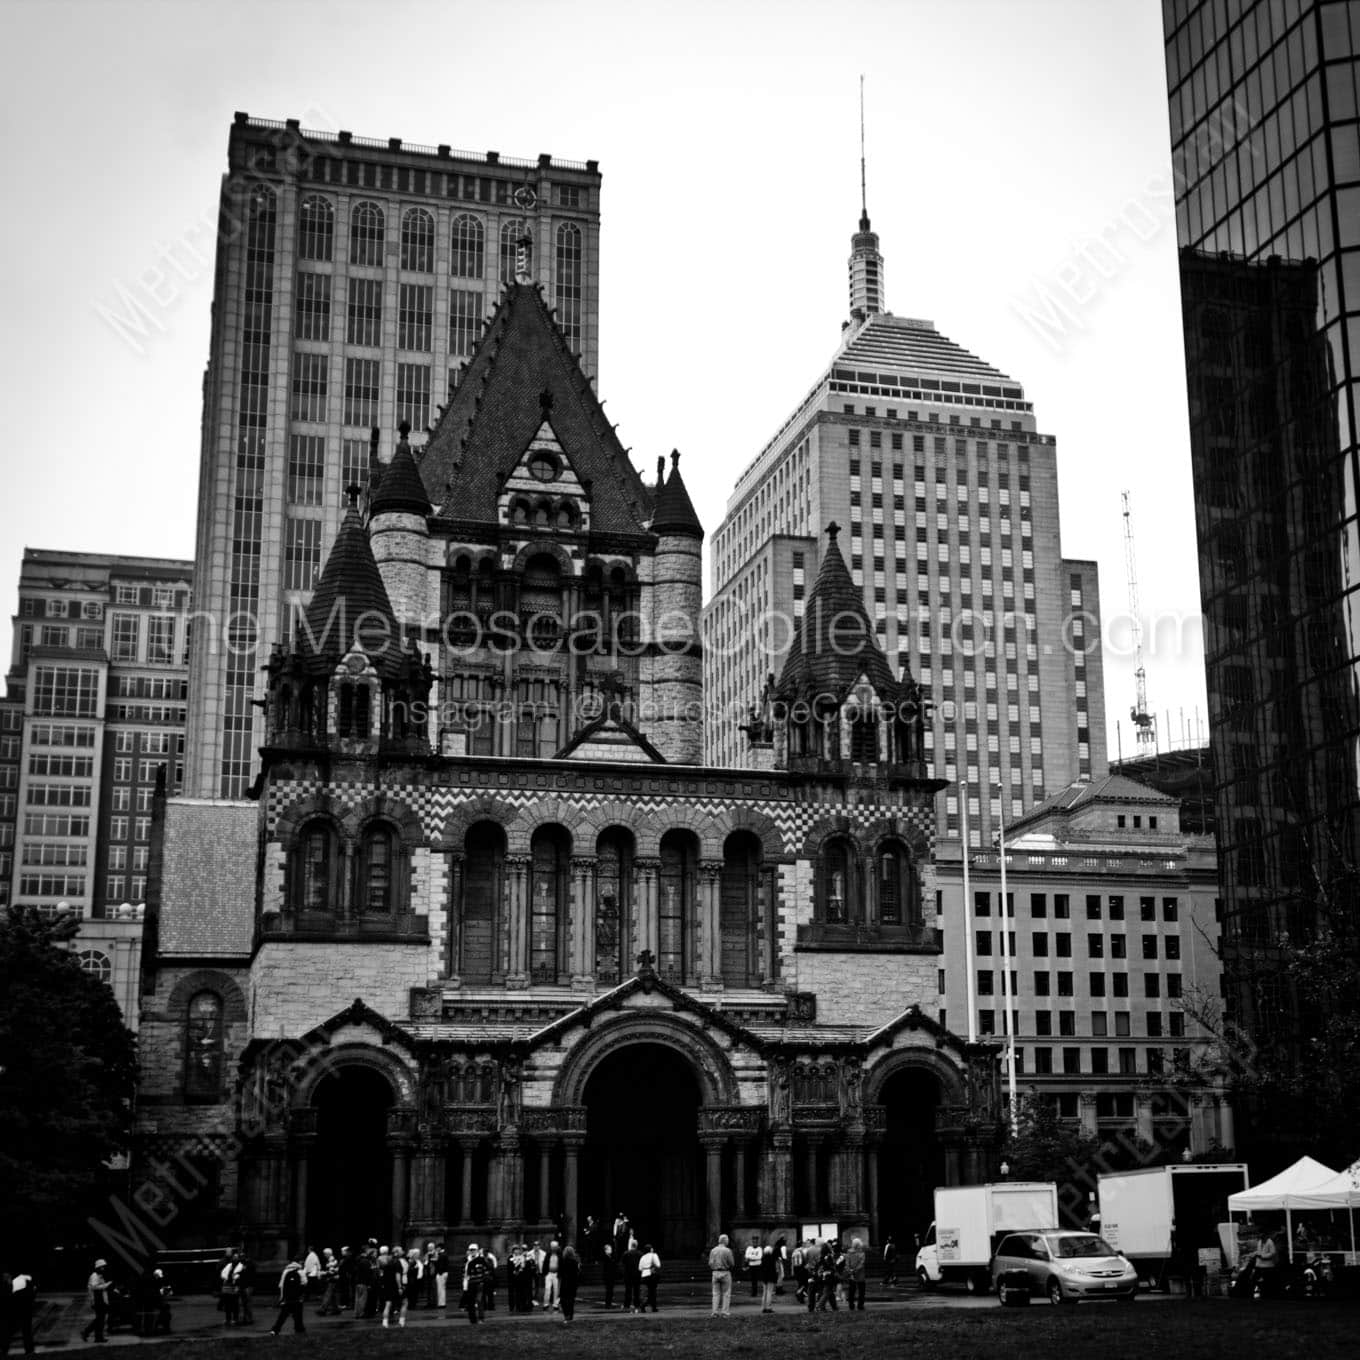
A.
pixel 228 1292
pixel 890 1262
pixel 768 1270
pixel 800 1271
pixel 330 1278
pixel 1267 1267
pixel 649 1270
pixel 856 1261
pixel 344 1280
pixel 17 1294
pixel 720 1265
pixel 245 1289
pixel 568 1277
pixel 474 1277
pixel 311 1272
pixel 552 1263
pixel 391 1279
pixel 415 1284
pixel 431 1280
pixel 364 1282
pixel 609 1268
pixel 97 1294
pixel 292 1288
pixel 632 1276
pixel 441 1276
pixel 752 1260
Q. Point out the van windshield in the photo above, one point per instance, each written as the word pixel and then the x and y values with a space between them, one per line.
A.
pixel 1087 1244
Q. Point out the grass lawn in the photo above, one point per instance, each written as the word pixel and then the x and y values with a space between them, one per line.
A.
pixel 1152 1331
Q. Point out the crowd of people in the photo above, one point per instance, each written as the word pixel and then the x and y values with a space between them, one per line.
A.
pixel 825 1276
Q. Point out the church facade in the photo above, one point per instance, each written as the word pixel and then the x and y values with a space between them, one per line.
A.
pixel 489 950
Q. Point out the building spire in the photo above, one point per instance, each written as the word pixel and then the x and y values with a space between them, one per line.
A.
pixel 866 264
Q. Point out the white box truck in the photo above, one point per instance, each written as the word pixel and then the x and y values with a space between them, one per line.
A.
pixel 971 1219
pixel 1139 1211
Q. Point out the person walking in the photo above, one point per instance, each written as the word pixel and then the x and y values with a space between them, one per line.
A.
pixel 720 1265
pixel 97 1295
pixel 856 1262
pixel 391 1279
pixel 344 1279
pixel 890 1262
pixel 826 1280
pixel 292 1289
pixel 768 1270
pixel 568 1278
pixel 474 1276
pixel 649 1270
pixel 632 1276
pixel 17 1295
pixel 228 1290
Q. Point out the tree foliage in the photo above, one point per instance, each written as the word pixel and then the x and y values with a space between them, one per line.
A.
pixel 66 1088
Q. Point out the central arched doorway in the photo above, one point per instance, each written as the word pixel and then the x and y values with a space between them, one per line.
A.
pixel 911 1161
pixel 642 1156
pixel 349 1180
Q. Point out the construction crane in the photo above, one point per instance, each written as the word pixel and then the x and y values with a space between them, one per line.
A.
pixel 1145 725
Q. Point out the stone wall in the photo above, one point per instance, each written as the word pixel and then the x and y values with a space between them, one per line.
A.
pixel 296 986
pixel 866 989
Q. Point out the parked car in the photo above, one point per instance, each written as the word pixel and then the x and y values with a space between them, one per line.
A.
pixel 1062 1266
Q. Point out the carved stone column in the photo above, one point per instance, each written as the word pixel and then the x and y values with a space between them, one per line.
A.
pixel 427 1185
pixel 517 925
pixel 512 1181
pixel 814 1205
pixel 301 1142
pixel 571 1181
pixel 400 1142
pixel 467 1146
pixel 347 853
pixel 646 875
pixel 713 1208
pixel 453 918
pixel 545 1148
pixel 739 1174
pixel 875 1125
pixel 1087 1105
pixel 709 943
pixel 852 1174
pixel 583 919
pixel 781 1174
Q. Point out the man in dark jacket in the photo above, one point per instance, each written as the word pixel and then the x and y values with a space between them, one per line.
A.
pixel 632 1276
pixel 474 1280
pixel 292 1288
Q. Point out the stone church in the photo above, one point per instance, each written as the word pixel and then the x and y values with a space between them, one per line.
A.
pixel 489 950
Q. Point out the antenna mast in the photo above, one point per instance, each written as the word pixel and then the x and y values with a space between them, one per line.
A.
pixel 863 194
pixel 1145 725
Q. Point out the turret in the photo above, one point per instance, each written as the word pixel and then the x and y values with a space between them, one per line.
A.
pixel 399 532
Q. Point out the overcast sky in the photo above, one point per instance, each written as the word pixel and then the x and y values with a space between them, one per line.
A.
pixel 1019 178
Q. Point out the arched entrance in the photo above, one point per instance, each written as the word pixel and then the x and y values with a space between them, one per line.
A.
pixel 349 1181
pixel 910 1159
pixel 642 1156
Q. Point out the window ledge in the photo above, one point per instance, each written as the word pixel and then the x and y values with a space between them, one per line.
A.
pixel 824 937
pixel 323 926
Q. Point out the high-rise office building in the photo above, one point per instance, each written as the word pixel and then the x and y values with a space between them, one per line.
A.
pixel 1266 149
pixel 94 708
pixel 933 462
pixel 353 278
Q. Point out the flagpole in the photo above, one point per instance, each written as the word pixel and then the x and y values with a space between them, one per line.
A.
pixel 970 978
pixel 1006 979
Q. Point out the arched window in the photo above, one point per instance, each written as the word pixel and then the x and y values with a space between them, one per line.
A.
pixel 467 258
pixel 354 718
pixel 96 963
pixel 511 232
pixel 316 229
pixel 838 895
pixel 613 904
pixel 550 852
pixel 377 887
pixel 314 863
pixel 366 232
pixel 567 283
pixel 540 600
pixel 483 866
pixel 739 909
pixel 898 896
pixel 417 241
pixel 203 1046
pixel 675 907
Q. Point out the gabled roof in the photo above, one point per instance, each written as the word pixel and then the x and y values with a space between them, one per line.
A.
pixel 399 486
pixel 610 730
pixel 1114 788
pixel 674 511
pixel 899 343
pixel 833 643
pixel 349 608
pixel 520 370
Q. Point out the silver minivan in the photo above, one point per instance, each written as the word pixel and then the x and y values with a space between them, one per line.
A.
pixel 1061 1266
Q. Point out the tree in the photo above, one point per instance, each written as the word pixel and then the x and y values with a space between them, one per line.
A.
pixel 67 1074
pixel 1044 1147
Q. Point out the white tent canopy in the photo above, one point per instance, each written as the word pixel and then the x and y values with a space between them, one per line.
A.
pixel 1287 1189
pixel 1341 1191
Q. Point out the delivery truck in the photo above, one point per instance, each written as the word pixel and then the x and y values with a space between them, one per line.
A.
pixel 1162 1217
pixel 971 1219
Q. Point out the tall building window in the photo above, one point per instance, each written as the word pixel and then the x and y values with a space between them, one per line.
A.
pixel 302 553
pixel 549 851
pixel 467 259
pixel 65 691
pixel 160 640
pixel 313 867
pixel 354 458
pixel 313 306
pixel 465 321
pixel 306 469
pixel 309 387
pixel 415 316
pixel 361 392
pixel 316 229
pixel 417 241
pixel 377 870
pixel 366 231
pixel 413 394
pixel 364 312
pixel 567 291
pixel 123 644
pixel 203 1047
pixel 511 231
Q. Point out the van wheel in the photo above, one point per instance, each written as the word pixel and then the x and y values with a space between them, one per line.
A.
pixel 926 1282
pixel 1055 1293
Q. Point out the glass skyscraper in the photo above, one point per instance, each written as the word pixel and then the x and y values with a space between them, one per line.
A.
pixel 1266 151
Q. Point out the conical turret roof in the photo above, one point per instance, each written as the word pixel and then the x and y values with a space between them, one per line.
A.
pixel 350 607
pixel 674 511
pixel 400 489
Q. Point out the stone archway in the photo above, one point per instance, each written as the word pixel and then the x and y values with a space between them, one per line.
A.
pixel 911 1160
pixel 349 1166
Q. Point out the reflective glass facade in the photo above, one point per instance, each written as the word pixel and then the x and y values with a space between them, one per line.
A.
pixel 1266 150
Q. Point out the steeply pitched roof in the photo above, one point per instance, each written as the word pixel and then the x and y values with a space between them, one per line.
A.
pixel 898 343
pixel 399 486
pixel 350 607
pixel 674 512
pixel 521 369
pixel 833 644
